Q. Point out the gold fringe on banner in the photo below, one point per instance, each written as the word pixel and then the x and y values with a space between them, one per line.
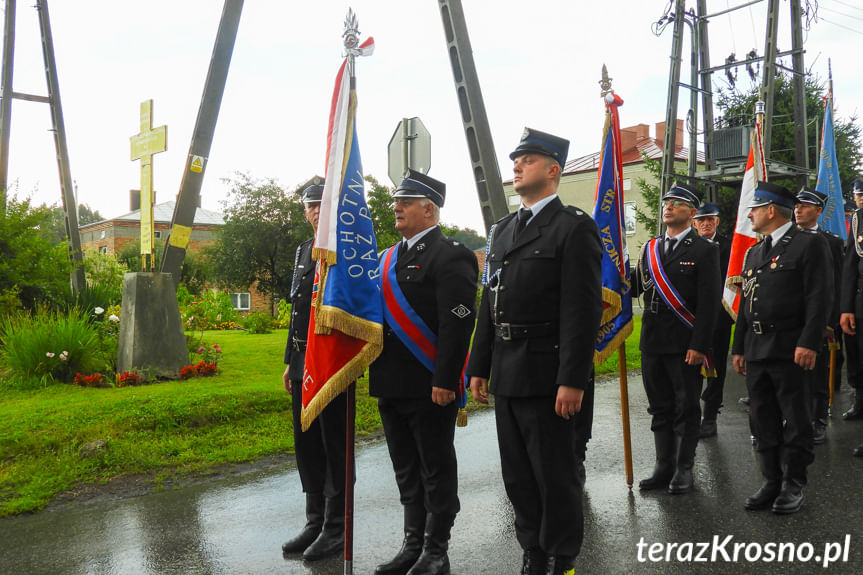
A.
pixel 612 299
pixel 734 283
pixel 599 357
pixel 339 382
pixel 356 327
pixel 461 418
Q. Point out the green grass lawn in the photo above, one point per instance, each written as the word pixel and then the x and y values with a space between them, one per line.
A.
pixel 167 429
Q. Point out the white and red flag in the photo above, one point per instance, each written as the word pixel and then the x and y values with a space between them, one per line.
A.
pixel 744 235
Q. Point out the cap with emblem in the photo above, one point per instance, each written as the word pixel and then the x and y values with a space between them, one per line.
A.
pixel 418 185
pixel 850 206
pixel 683 192
pixel 706 210
pixel 767 193
pixel 313 193
pixel 807 195
pixel 858 187
pixel 536 142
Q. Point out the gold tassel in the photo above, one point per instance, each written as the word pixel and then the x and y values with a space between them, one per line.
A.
pixel 461 418
pixel 708 372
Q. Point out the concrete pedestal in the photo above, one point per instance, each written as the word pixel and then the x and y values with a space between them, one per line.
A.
pixel 151 332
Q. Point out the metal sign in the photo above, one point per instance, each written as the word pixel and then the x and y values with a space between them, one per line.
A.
pixel 410 147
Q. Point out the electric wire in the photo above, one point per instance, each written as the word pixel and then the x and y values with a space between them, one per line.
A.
pixel 848 5
pixel 843 14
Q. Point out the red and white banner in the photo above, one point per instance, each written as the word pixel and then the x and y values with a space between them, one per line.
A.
pixel 744 236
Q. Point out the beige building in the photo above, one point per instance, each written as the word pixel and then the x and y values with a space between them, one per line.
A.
pixel 579 179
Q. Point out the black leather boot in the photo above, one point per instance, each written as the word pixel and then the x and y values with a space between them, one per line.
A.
pixel 665 458
pixel 708 421
pixel 768 461
pixel 790 498
pixel 856 411
pixel 682 481
pixel 434 560
pixel 332 538
pixel 415 522
pixel 314 523
pixel 560 565
pixel 534 562
pixel 819 422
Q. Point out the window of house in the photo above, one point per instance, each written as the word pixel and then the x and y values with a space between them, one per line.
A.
pixel 102 235
pixel 627 184
pixel 241 301
pixel 629 217
pixel 157 234
pixel 103 250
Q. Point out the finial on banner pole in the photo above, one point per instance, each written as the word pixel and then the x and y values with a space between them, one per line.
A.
pixel 607 92
pixel 351 37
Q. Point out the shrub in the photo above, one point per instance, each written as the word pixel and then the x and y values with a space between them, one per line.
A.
pixel 125 378
pixel 45 346
pixel 206 352
pixel 205 311
pixel 284 319
pixel 94 380
pixel 258 322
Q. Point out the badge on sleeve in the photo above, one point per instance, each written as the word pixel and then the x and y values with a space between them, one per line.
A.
pixel 461 311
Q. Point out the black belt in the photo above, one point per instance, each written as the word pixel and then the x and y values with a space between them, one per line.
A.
pixel 298 344
pixel 762 327
pixel 509 331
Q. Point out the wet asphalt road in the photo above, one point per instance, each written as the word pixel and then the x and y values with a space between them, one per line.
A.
pixel 236 526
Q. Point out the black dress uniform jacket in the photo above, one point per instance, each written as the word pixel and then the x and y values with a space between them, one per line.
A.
pixel 834 243
pixel 301 303
pixel 548 278
pixel 438 277
pixel 787 297
pixel 852 270
pixel 693 269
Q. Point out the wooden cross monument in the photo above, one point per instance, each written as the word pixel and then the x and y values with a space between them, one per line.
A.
pixel 144 144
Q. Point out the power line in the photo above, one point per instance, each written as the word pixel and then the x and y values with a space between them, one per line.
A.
pixel 843 14
pixel 841 26
pixel 848 5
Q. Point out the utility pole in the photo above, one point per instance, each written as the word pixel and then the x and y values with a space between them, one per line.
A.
pixel 6 99
pixel 801 145
pixel 480 146
pixel 768 82
pixel 668 141
pixel 692 116
pixel 706 85
pixel 188 198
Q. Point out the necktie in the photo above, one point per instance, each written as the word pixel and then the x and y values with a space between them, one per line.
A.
pixel 403 247
pixel 669 245
pixel 768 243
pixel 523 216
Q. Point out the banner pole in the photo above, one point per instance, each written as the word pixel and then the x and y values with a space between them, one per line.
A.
pixel 624 414
pixel 349 477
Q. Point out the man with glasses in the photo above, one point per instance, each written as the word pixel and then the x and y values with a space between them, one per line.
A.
pixel 429 289
pixel 678 274
pixel 786 299
pixel 320 450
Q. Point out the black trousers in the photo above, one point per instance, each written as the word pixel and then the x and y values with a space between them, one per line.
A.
pixel 854 359
pixel 420 437
pixel 320 450
pixel 818 379
pixel 540 466
pixel 713 391
pixel 673 389
pixel 777 393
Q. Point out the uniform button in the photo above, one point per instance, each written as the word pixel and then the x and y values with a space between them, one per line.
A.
pixel 501 288
pixel 407 277
pixel 506 262
pixel 756 313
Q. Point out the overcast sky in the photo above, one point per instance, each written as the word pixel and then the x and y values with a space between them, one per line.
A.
pixel 539 64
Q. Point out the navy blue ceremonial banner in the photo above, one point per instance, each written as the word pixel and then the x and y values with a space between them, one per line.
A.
pixel 832 218
pixel 609 215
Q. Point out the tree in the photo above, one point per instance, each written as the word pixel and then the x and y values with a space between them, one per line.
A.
pixel 649 217
pixel 264 224
pixel 740 107
pixel 380 200
pixel 33 269
pixel 86 215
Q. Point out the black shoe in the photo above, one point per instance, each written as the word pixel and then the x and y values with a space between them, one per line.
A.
pixel 433 561
pixel 681 482
pixel 764 497
pixel 534 562
pixel 315 504
pixel 666 455
pixel 560 565
pixel 708 429
pixel 743 400
pixel 411 550
pixel 790 498
pixel 819 432
pixel 858 451
pixel 328 543
pixel 853 414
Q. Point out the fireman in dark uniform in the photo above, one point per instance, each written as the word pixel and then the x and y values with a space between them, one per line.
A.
pixel 673 353
pixel 851 303
pixel 320 450
pixel 706 223
pixel 810 204
pixel 417 394
pixel 536 328
pixel 786 300
pixel 853 340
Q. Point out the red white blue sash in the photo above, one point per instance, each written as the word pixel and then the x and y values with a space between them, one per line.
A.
pixel 663 287
pixel 406 323
pixel 671 298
